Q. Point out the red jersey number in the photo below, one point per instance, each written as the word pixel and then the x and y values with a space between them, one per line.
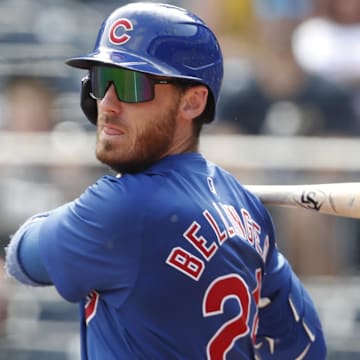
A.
pixel 219 291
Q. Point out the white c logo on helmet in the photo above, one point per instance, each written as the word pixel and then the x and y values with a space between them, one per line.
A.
pixel 126 25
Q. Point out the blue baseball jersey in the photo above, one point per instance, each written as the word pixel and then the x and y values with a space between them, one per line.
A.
pixel 177 262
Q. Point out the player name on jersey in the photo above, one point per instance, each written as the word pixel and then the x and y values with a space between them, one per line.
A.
pixel 231 224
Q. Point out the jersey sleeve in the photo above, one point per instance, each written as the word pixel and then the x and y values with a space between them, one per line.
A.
pixel 93 243
pixel 289 326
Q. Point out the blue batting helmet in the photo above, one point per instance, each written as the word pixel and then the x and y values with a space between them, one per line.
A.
pixel 159 39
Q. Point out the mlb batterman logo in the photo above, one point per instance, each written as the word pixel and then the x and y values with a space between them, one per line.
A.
pixel 118 31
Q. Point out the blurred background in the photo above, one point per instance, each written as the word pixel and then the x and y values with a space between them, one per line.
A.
pixel 289 113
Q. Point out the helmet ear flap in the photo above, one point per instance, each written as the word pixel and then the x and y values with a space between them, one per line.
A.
pixel 87 103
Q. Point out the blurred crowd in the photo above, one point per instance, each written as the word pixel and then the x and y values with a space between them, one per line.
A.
pixel 292 68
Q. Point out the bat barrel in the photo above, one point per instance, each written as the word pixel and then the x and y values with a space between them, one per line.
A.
pixel 340 199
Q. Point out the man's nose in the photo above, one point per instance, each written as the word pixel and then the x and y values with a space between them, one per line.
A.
pixel 110 101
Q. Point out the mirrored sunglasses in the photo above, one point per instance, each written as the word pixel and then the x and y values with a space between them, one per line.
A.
pixel 130 86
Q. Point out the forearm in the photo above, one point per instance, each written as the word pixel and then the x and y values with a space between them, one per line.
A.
pixel 23 259
pixel 289 325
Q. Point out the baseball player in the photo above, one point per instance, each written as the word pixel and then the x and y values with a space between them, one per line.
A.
pixel 172 258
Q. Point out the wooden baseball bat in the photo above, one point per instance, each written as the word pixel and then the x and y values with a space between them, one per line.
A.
pixel 339 199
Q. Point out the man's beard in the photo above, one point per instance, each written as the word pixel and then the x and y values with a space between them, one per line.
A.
pixel 150 145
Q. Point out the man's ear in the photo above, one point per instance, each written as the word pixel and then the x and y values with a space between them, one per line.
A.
pixel 194 101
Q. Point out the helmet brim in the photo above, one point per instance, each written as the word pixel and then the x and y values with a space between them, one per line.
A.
pixel 127 61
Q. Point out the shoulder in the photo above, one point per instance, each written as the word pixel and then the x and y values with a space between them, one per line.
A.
pixel 112 193
pixel 127 186
pixel 227 184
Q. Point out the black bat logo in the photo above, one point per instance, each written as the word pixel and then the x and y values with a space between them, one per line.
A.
pixel 311 199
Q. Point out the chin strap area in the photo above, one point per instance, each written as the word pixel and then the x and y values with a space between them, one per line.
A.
pixel 87 103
